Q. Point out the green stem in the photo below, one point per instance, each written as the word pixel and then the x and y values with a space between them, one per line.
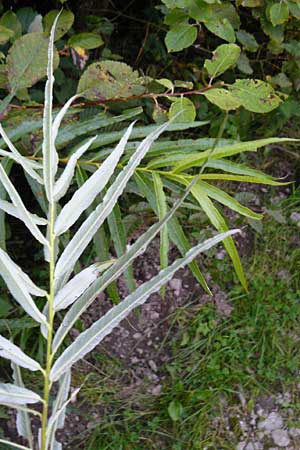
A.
pixel 49 355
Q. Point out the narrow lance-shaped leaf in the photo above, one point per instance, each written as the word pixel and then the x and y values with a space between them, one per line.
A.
pixel 175 230
pixel 9 208
pixel 18 395
pixel 56 422
pixel 10 351
pixel 87 298
pixel 50 157
pixel 7 165
pixel 219 195
pixel 28 166
pixel 162 211
pixel 14 445
pixel 87 230
pixel 60 115
pixel 85 195
pixel 228 150
pixel 88 340
pixel 23 418
pixel 24 214
pixel 78 284
pixel 63 183
pixel 119 238
pixel 20 286
pixel 219 223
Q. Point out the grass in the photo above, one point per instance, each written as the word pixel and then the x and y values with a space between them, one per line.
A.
pixel 220 365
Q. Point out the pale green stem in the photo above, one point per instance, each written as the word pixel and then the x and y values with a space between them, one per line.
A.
pixel 49 355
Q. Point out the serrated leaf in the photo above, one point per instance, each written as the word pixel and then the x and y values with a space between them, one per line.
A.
pixel 87 193
pixel 182 110
pixel 64 23
pixel 255 95
pixel 87 340
pixel 279 13
pixel 109 79
pixel 247 40
pixel 222 98
pixel 27 60
pixel 224 57
pixel 23 420
pixel 20 286
pixel 180 36
pixel 62 184
pixel 88 41
pixel 78 284
pixel 87 230
pixel 10 351
pixel 24 215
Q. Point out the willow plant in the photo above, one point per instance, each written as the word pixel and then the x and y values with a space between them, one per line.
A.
pixel 70 295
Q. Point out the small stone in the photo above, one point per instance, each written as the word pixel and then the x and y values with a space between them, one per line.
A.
pixel 281 438
pixel 137 336
pixel 294 432
pixel 176 285
pixel 153 365
pixel 272 422
pixel 156 390
pixel 295 217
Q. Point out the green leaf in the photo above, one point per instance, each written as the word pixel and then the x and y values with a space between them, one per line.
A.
pixel 64 23
pixel 219 223
pixel 243 64
pixel 119 238
pixel 175 230
pixel 221 28
pixel 162 209
pixel 255 95
pixel 27 60
pixel 247 40
pixel 195 160
pixel 87 340
pixel 88 41
pixel 180 36
pixel 294 8
pixel 110 79
pixel 14 445
pixel 175 410
pixel 175 3
pixel 175 17
pixel 222 98
pixel 5 34
pixel 10 20
pixel 224 57
pixel 279 13
pixel 184 110
pixel 90 226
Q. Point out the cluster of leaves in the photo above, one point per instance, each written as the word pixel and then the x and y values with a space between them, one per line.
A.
pixel 259 33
